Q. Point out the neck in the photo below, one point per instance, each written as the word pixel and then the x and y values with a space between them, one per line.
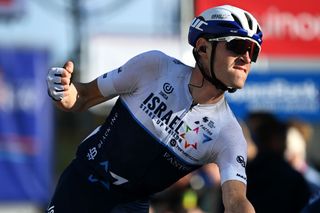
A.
pixel 202 91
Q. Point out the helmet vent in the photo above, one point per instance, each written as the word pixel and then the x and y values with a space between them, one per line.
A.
pixel 236 19
pixel 249 20
pixel 258 30
pixel 201 18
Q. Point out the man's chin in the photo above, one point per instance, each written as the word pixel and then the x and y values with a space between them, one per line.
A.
pixel 238 86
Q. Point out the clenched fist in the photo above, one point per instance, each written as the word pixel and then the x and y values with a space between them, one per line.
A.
pixel 59 80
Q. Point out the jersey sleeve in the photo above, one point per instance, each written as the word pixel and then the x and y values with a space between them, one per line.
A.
pixel 129 77
pixel 232 155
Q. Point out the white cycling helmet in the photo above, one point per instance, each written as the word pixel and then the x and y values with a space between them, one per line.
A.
pixel 225 23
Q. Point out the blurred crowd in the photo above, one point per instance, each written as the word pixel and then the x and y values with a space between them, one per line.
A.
pixel 280 178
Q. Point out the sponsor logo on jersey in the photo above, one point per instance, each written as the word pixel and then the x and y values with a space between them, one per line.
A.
pixel 92 153
pixel 174 143
pixel 183 136
pixel 155 108
pixel 165 119
pixel 241 176
pixel 210 123
pixel 167 88
pixel 241 160
pixel 192 137
pixel 116 179
pixel 175 162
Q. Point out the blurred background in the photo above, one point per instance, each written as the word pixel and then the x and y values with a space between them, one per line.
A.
pixel 37 141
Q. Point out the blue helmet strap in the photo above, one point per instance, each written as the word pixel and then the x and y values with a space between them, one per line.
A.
pixel 213 79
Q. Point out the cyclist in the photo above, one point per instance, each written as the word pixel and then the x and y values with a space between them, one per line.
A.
pixel 169 120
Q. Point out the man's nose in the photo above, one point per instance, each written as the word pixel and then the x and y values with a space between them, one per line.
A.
pixel 246 57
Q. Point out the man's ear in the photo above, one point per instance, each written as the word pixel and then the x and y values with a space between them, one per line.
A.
pixel 201 46
pixel 202 49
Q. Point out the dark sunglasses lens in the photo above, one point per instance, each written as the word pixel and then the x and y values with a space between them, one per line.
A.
pixel 242 46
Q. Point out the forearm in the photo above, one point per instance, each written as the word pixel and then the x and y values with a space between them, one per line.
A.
pixel 80 97
pixel 239 206
pixel 234 198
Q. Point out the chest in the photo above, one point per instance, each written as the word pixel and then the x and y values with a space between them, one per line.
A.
pixel 166 113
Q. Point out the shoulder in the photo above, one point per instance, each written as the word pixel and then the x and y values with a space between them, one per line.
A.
pixel 152 56
pixel 155 63
pixel 229 123
pixel 157 57
pixel 231 137
pixel 146 64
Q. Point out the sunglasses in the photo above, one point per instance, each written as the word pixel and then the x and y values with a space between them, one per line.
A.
pixel 241 45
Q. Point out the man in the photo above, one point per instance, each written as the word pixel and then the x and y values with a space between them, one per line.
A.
pixel 169 120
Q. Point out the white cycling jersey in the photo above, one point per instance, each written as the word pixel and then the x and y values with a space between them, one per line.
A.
pixel 153 135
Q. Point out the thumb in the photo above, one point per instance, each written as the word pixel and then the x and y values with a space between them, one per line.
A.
pixel 69 66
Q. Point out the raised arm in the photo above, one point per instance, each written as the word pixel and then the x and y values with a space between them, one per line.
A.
pixel 234 197
pixel 72 96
